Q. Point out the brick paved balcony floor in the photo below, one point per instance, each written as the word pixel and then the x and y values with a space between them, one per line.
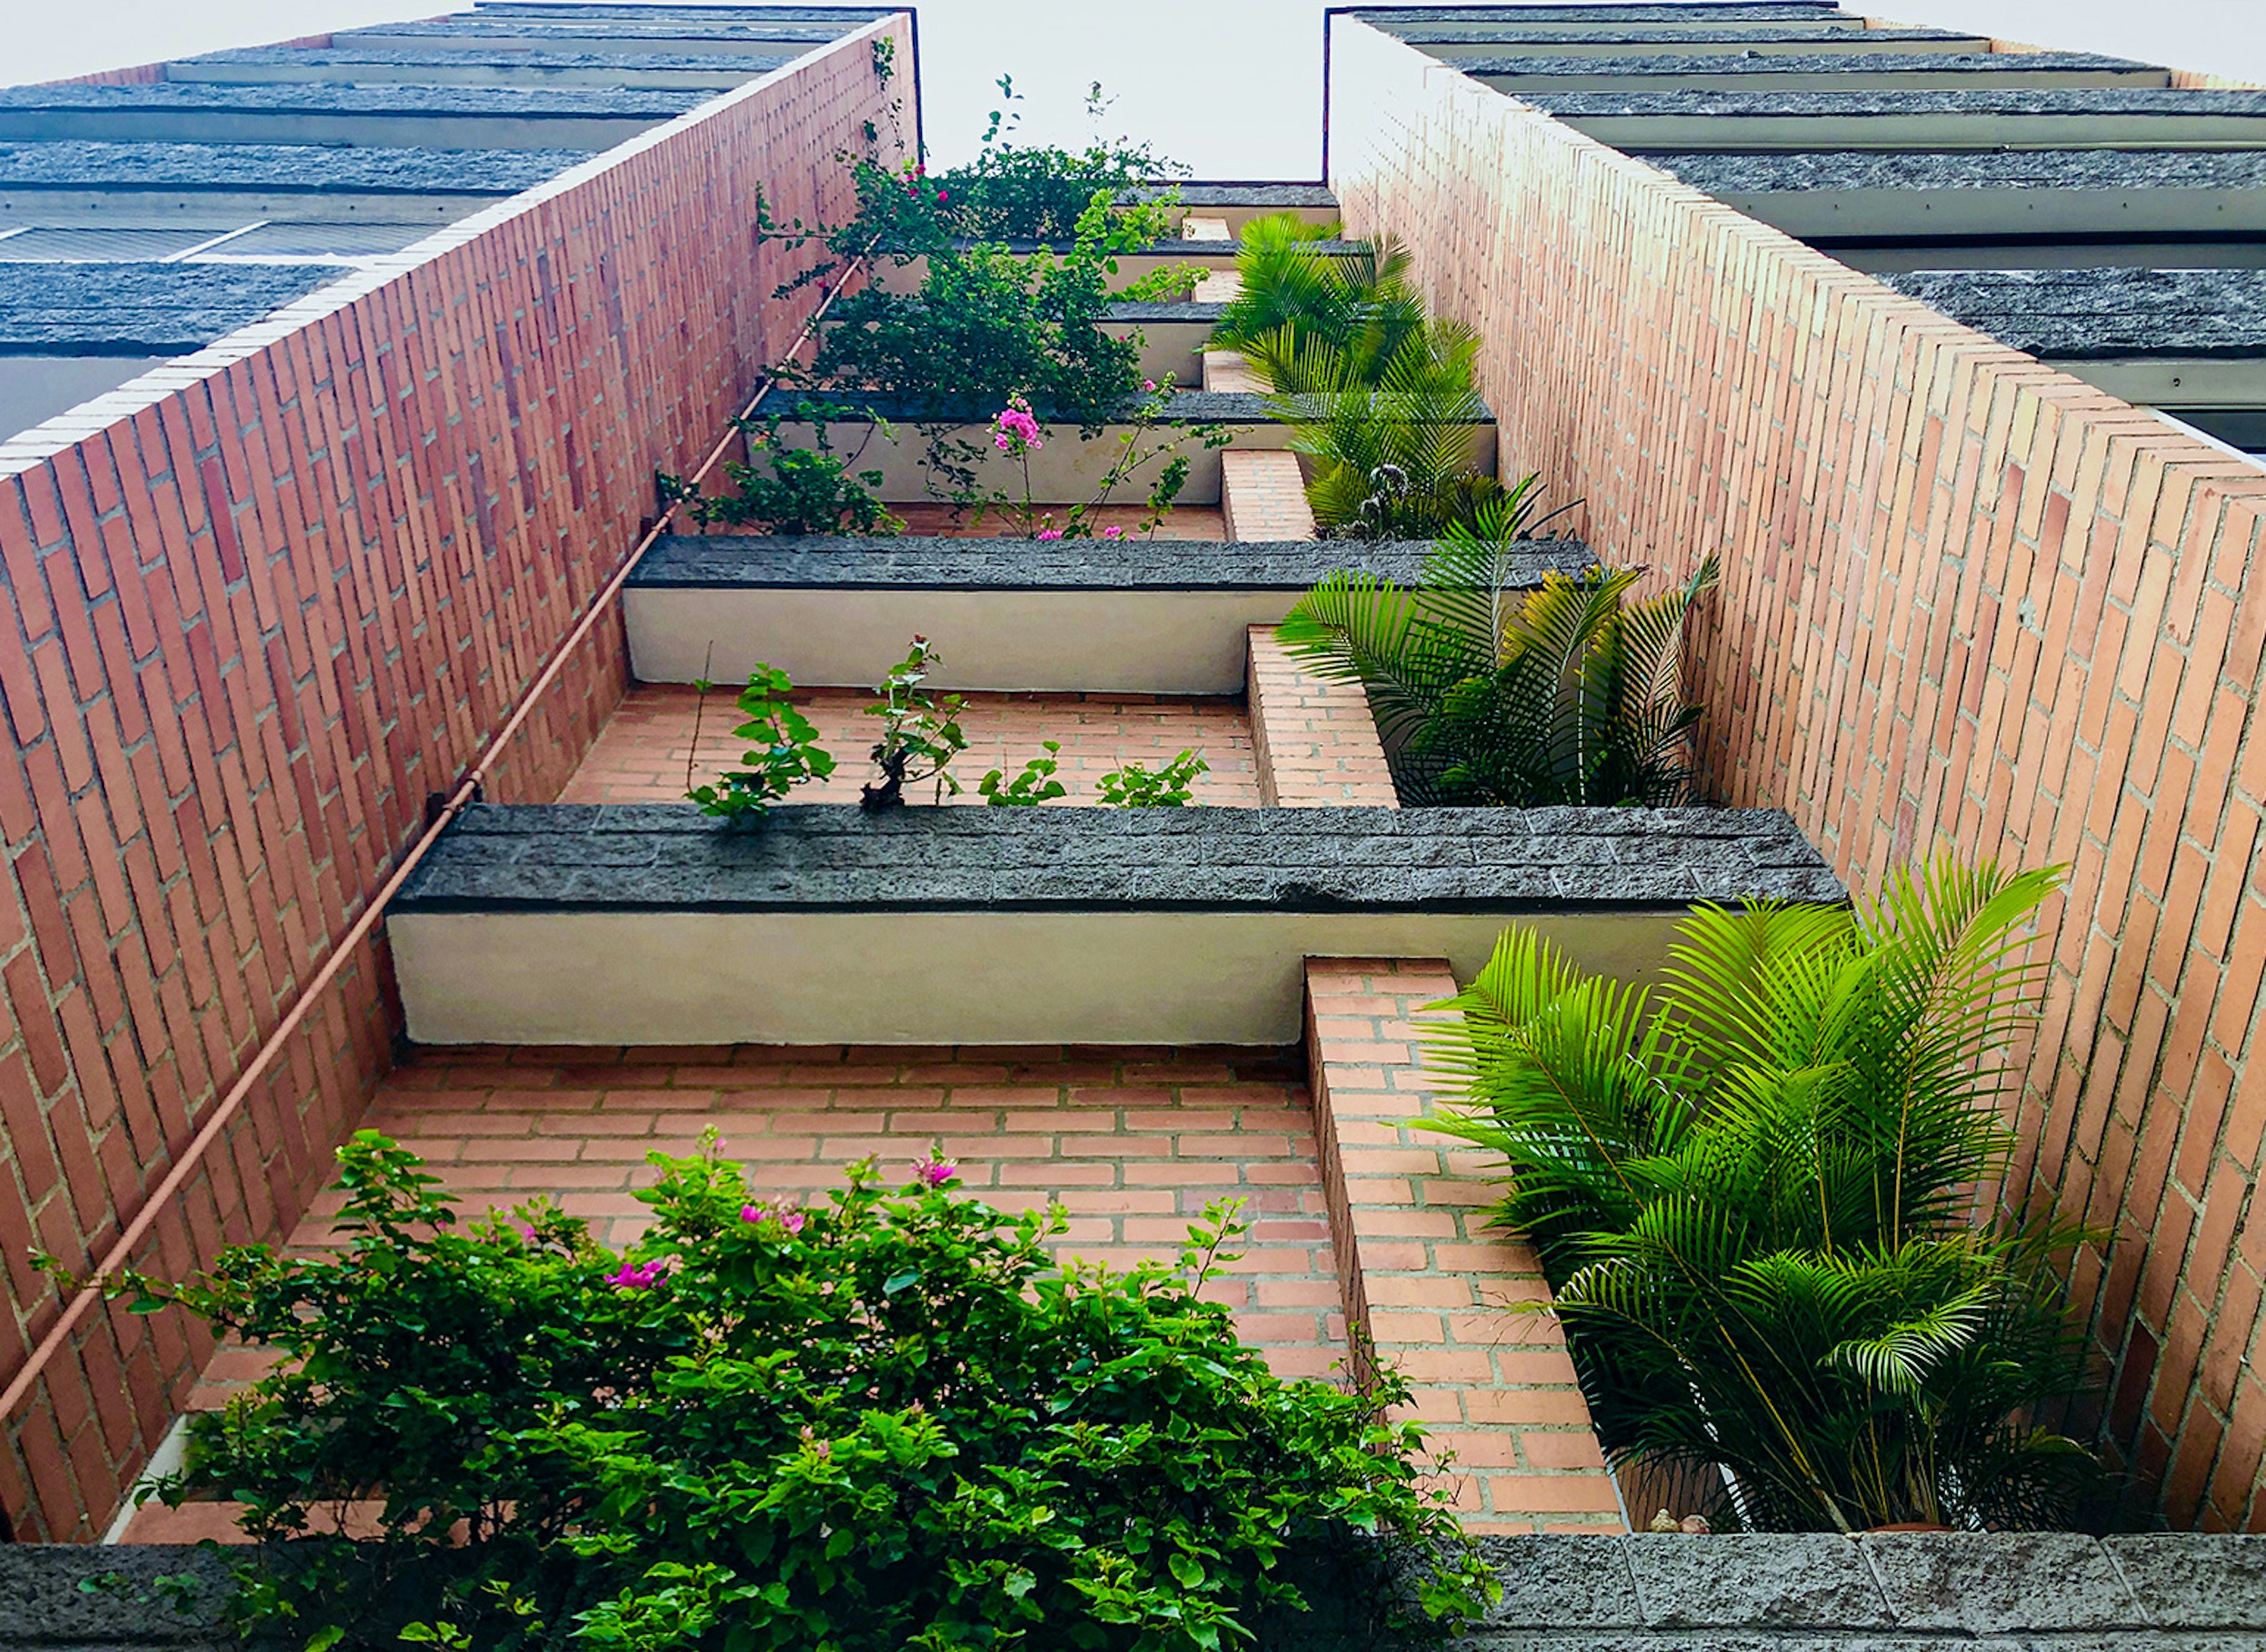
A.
pixel 1134 1143
pixel 1186 521
pixel 639 755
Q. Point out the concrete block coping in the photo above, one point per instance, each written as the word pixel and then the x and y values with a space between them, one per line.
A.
pixel 1686 15
pixel 515 102
pixel 2098 314
pixel 1137 616
pixel 77 165
pixel 852 562
pixel 654 924
pixel 152 309
pixel 1789 1592
pixel 836 857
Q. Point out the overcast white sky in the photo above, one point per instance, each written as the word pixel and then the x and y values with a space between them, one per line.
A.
pixel 1232 87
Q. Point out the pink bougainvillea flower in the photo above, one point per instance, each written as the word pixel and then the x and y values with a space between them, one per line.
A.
pixel 932 1171
pixel 790 1220
pixel 637 1275
pixel 1113 532
pixel 1148 384
pixel 1050 533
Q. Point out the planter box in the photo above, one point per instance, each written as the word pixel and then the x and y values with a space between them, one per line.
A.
pixel 1205 256
pixel 1172 336
pixel 1157 616
pixel 1067 470
pixel 1239 203
pixel 925 925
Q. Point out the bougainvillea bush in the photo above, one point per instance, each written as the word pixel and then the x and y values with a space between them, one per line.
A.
pixel 888 1419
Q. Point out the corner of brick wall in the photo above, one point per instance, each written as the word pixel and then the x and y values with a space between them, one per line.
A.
pixel 1969 605
pixel 1426 1276
pixel 1262 492
pixel 1314 741
pixel 246 630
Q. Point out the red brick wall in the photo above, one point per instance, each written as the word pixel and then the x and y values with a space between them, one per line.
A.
pixel 1969 603
pixel 246 631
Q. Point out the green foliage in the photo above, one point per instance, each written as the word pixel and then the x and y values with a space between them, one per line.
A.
pixel 1570 694
pixel 1134 786
pixel 1293 298
pixel 1034 785
pixel 1010 193
pixel 1755 1191
pixel 783 490
pixel 920 733
pixel 884 1422
pixel 786 754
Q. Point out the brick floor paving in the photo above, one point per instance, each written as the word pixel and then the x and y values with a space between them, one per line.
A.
pixel 638 757
pixel 1134 1143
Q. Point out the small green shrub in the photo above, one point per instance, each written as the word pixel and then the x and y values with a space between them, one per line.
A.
pixel 884 1422
pixel 1762 1194
pixel 1034 785
pixel 920 733
pixel 784 490
pixel 786 754
pixel 1170 787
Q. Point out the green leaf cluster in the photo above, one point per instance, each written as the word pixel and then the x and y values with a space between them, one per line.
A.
pixel 1763 1194
pixel 887 1420
pixel 1486 694
pixel 784 490
pixel 1032 784
pixel 1169 786
pixel 1383 396
pixel 920 733
pixel 786 754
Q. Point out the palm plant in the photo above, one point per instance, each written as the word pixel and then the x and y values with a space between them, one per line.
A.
pixel 1290 293
pixel 1755 1192
pixel 1572 693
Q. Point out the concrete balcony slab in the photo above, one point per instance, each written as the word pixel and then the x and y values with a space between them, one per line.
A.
pixel 433 117
pixel 1163 617
pixel 1067 469
pixel 820 924
pixel 2096 118
pixel 1836 195
pixel 277 65
pixel 1852 72
pixel 1452 44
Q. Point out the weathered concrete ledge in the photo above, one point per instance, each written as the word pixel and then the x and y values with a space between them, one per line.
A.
pixel 851 562
pixel 1883 1592
pixel 2090 314
pixel 1138 616
pixel 713 71
pixel 296 168
pixel 1482 41
pixel 1930 169
pixel 151 309
pixel 836 857
pixel 822 924
pixel 1986 119
pixel 1793 72
pixel 655 103
pixel 1822 12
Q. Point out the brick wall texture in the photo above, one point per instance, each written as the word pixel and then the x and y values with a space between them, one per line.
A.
pixel 1440 1294
pixel 247 629
pixel 1969 604
pixel 1315 740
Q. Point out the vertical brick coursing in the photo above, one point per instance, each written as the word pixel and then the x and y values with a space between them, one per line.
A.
pixel 1262 492
pixel 1969 604
pixel 1438 1292
pixel 1315 741
pixel 247 630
